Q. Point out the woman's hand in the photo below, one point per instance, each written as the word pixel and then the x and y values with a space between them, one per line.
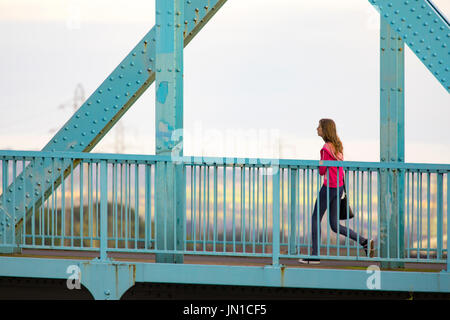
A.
pixel 320 163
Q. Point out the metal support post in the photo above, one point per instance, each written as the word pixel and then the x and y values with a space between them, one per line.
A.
pixel 392 145
pixel 170 181
pixel 276 217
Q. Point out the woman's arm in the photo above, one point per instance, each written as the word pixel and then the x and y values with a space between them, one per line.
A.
pixel 324 156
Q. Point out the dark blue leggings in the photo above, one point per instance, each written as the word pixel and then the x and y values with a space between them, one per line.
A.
pixel 332 218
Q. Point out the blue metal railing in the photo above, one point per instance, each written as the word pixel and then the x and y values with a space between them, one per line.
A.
pixel 106 203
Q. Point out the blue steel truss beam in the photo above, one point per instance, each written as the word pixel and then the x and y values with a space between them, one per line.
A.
pixel 424 29
pixel 101 111
pixel 170 181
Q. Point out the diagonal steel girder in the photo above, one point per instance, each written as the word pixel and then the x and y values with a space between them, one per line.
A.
pixel 424 29
pixel 101 111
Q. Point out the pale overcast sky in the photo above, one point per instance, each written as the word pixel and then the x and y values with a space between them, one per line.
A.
pixel 260 74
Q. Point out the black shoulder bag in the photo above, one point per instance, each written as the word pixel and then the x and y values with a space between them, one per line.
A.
pixel 343 214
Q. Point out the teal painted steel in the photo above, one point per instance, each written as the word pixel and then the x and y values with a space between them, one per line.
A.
pixel 425 31
pixel 103 210
pixel 106 105
pixel 170 184
pixel 392 142
pixel 276 218
pixel 448 223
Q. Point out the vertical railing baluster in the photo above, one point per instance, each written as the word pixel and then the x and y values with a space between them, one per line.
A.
pixel 328 212
pixel 81 204
pixel 276 217
pixel 338 210
pixel 115 192
pixel 419 218
pixel 215 208
pixel 428 215
pixel 136 205
pixel 448 221
pixel 224 207
pixel 234 205
pixel 408 242
pixel 72 173
pixel 103 210
pixel 439 213
pixel 253 210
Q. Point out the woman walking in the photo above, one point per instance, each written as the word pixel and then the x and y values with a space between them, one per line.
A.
pixel 332 150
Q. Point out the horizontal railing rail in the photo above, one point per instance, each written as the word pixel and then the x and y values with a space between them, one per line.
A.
pixel 106 202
